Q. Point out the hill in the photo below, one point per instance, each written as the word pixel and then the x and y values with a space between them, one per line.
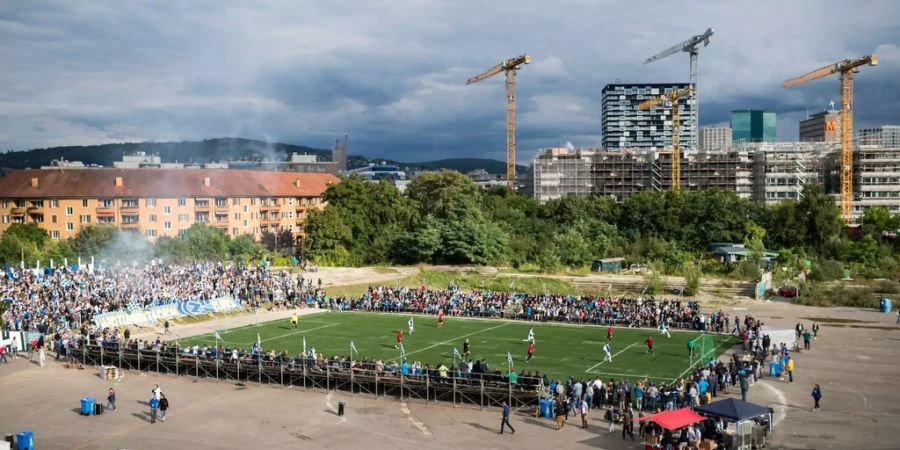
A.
pixel 465 165
pixel 219 149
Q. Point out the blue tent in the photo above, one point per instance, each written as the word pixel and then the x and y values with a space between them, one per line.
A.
pixel 733 409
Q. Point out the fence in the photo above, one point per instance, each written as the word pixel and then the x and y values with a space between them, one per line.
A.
pixel 482 390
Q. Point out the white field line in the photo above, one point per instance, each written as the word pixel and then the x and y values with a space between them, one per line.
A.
pixel 614 355
pixel 451 340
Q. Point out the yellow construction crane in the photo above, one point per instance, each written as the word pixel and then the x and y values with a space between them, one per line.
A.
pixel 673 98
pixel 846 69
pixel 510 66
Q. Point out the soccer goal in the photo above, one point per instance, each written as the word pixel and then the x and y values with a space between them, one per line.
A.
pixel 704 350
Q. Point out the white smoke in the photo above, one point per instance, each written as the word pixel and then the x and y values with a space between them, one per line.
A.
pixel 126 248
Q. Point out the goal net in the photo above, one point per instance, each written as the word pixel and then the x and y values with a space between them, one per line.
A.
pixel 704 350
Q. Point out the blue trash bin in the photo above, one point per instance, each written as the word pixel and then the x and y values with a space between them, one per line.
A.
pixel 87 406
pixel 545 404
pixel 774 368
pixel 25 440
pixel 886 305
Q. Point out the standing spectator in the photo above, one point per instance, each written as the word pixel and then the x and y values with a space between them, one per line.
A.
pixel 560 412
pixel 156 391
pixel 154 405
pixel 816 395
pixel 806 339
pixel 3 354
pixel 111 399
pixel 505 422
pixel 584 413
pixel 789 366
pixel 745 386
pixel 164 405
pixel 628 423
pixel 610 417
pixel 815 328
pixel 42 357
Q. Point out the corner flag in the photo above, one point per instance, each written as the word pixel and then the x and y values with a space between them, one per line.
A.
pixel 304 345
pixel 258 342
pixel 353 348
pixel 509 358
pixel 456 353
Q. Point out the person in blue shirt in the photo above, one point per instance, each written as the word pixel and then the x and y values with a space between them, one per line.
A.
pixel 505 422
pixel 154 406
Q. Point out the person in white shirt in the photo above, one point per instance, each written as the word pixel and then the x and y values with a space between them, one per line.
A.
pixel 411 325
pixel 608 350
pixel 663 329
pixel 156 392
pixel 531 335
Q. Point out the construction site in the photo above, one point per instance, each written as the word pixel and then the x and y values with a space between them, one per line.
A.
pixel 650 143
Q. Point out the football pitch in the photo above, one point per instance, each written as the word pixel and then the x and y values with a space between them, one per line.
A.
pixel 561 350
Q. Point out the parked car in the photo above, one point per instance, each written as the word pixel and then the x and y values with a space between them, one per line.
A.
pixel 788 291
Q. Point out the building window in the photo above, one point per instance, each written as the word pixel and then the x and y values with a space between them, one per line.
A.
pixel 107 203
pixel 70 226
pixel 37 203
pixel 130 219
pixel 167 225
pixel 237 216
pixel 151 202
pixel 235 201
pixel 69 210
pixel 167 210
pixel 152 218
pixel 54 203
pixel 201 203
pixel 151 233
pixel 85 218
pixel 253 201
pixel 183 217
pixel 245 208
pixel 54 234
pixel 20 203
pixel 5 203
pixel 201 217
pixel 182 201
pixel 245 223
pixel 6 218
pixel 84 203
pixel 234 231
pixel 221 203
pixel 129 203
pixel 53 218
pixel 106 220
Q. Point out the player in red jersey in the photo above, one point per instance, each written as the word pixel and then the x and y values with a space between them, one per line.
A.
pixel 609 331
pixel 650 345
pixel 399 339
pixel 530 351
pixel 440 318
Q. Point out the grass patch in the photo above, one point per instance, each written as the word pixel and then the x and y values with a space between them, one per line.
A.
pixel 560 350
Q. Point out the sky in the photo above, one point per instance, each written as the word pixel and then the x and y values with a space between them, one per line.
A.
pixel 392 73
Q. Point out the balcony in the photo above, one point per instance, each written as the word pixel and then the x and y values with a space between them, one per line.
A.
pixel 106 212
pixel 18 211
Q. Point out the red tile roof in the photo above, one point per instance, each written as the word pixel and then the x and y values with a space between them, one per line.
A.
pixel 162 183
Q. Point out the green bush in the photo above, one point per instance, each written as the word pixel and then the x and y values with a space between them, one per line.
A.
pixel 826 270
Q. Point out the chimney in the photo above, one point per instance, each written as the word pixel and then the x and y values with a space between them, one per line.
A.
pixel 34 182
pixel 119 182
pixel 206 181
pixel 297 183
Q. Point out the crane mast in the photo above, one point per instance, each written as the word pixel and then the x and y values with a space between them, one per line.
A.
pixel 846 69
pixel 673 98
pixel 510 67
pixel 692 47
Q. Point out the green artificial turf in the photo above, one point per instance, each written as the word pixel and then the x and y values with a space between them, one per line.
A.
pixel 561 350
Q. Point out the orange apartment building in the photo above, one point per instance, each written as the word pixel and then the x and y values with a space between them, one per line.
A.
pixel 157 202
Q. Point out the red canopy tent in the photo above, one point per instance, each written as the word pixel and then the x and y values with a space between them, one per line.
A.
pixel 675 419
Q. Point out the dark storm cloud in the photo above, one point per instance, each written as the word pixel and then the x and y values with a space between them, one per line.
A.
pixel 392 74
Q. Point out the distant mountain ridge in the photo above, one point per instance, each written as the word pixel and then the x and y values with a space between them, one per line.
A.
pixel 219 149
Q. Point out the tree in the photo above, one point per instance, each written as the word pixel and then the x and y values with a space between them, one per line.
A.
pixel 91 239
pixel 445 195
pixel 820 216
pixel 245 247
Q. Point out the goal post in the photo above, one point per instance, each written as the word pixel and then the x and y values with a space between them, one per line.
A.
pixel 704 350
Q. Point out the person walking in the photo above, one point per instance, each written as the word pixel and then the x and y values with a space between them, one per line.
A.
pixel 815 328
pixel 156 391
pixel 111 399
pixel 806 338
pixel 164 406
pixel 816 395
pixel 505 422
pixel 154 406
pixel 610 418
pixel 560 412
pixel 745 386
pixel 789 366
